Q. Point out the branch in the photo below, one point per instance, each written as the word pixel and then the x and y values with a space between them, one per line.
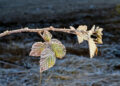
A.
pixel 41 30
pixel 12 64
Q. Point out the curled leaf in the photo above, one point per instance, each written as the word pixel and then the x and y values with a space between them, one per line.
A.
pixel 99 30
pixel 92 47
pixel 92 31
pixel 47 36
pixel 36 49
pixel 47 59
pixel 98 41
pixel 81 36
pixel 93 28
pixel 82 27
pixel 58 48
pixel 99 34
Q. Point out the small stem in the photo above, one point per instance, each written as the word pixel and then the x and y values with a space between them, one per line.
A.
pixel 49 78
pixel 40 34
pixel 12 64
pixel 40 79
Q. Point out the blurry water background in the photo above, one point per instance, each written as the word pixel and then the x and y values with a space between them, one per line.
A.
pixel 17 68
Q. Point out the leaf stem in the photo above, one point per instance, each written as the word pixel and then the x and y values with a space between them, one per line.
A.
pixel 40 79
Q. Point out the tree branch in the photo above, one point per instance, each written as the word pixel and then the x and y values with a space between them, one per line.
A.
pixel 41 30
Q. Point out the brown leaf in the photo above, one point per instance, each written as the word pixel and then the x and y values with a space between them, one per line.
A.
pixel 98 41
pixel 81 36
pixel 92 48
pixel 37 48
pixel 99 30
pixel 99 34
pixel 82 27
pixel 93 28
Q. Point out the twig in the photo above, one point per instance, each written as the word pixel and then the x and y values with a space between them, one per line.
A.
pixel 15 65
pixel 40 83
pixel 48 78
pixel 11 73
pixel 40 30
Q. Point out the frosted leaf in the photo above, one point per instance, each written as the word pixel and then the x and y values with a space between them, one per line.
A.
pixel 92 47
pixel 47 36
pixel 98 40
pixel 80 38
pixel 92 31
pixel 98 32
pixel 82 27
pixel 36 49
pixel 93 28
pixel 58 48
pixel 47 59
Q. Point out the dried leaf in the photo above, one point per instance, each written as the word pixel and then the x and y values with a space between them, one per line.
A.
pixel 47 59
pixel 58 48
pixel 80 38
pixel 37 48
pixel 98 41
pixel 99 34
pixel 99 31
pixel 93 28
pixel 82 27
pixel 92 47
pixel 47 36
pixel 92 31
pixel 96 51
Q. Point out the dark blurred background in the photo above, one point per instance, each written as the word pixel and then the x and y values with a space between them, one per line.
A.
pixel 17 68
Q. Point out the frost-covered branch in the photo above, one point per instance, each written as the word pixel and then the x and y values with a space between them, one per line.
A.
pixel 53 48
pixel 71 31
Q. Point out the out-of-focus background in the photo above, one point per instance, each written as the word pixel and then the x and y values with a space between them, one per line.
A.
pixel 17 68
